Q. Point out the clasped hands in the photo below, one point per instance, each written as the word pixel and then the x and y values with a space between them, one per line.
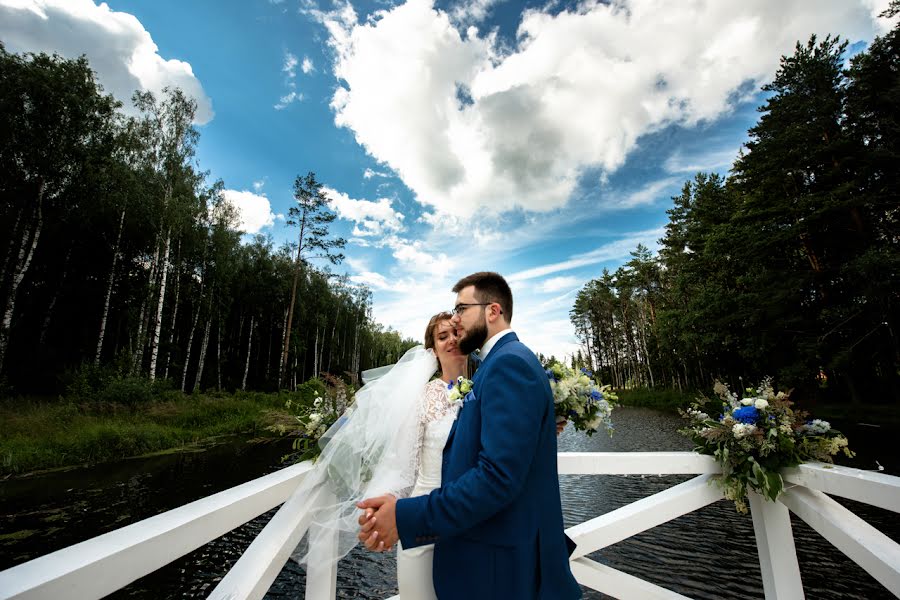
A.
pixel 378 523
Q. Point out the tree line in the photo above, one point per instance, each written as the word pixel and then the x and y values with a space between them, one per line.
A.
pixel 118 253
pixel 789 266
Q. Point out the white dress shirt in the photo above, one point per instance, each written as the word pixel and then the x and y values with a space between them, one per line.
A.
pixel 491 342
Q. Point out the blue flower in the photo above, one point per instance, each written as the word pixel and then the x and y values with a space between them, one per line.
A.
pixel 586 372
pixel 596 395
pixel 450 386
pixel 745 414
pixel 550 375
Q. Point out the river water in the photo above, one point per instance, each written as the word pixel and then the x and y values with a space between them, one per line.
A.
pixel 709 554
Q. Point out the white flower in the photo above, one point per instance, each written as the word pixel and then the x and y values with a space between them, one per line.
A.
pixel 817 427
pixel 697 415
pixel 317 402
pixel 761 404
pixel 747 401
pixel 741 430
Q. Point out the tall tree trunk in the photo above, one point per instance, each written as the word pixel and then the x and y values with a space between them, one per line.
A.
pixel 26 252
pixel 286 335
pixel 289 321
pixel 190 342
pixel 315 371
pixel 109 288
pixel 219 350
pixel 176 268
pixel 157 321
pixel 269 353
pixel 45 326
pixel 144 319
pixel 203 346
pixel 11 247
pixel 290 318
pixel 249 347
pixel 331 344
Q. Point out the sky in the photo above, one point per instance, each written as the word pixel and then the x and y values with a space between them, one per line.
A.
pixel 541 140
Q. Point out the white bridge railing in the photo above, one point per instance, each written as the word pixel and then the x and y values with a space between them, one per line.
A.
pixel 109 562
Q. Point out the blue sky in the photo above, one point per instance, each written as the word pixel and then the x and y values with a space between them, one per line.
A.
pixel 540 140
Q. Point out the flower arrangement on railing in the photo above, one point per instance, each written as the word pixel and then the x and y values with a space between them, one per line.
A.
pixel 756 436
pixel 578 398
pixel 317 418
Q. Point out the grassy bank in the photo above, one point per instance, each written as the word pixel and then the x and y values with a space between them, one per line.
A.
pixel 662 399
pixel 40 434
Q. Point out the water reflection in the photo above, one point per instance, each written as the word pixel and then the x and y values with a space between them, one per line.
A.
pixel 708 554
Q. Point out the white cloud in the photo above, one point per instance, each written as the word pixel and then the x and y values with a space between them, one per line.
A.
pixel 370 218
pixel 710 161
pixel 555 284
pixel 370 173
pixel 307 65
pixel 289 68
pixel 470 126
pixel 372 280
pixel 259 185
pixel 471 11
pixel 412 256
pixel 611 251
pixel 255 210
pixel 287 100
pixel 290 65
pixel 118 47
pixel 876 7
pixel 649 194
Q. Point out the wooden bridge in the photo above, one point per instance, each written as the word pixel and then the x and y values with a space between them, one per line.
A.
pixel 104 564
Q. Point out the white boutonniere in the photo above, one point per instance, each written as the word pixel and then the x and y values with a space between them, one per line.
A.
pixel 457 390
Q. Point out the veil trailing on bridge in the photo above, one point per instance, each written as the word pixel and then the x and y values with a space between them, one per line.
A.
pixel 369 451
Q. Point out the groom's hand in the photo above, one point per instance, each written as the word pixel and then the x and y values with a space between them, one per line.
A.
pixel 378 529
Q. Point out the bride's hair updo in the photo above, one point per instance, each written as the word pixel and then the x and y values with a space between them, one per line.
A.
pixel 429 331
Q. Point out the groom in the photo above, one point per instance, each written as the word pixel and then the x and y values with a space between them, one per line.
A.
pixel 496 521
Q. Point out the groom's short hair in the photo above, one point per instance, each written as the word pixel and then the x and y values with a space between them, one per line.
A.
pixel 489 287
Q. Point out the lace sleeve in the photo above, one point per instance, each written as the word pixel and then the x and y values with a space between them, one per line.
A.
pixel 421 422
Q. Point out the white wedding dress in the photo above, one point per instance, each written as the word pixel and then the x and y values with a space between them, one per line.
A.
pixel 414 565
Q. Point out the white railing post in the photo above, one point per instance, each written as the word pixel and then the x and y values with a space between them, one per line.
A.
pixel 321 580
pixel 777 553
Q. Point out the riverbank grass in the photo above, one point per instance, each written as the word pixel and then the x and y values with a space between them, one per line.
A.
pixel 662 399
pixel 40 434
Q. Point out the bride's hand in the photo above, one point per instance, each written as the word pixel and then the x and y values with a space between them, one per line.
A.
pixel 378 528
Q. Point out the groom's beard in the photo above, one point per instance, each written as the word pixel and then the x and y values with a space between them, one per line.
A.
pixel 474 338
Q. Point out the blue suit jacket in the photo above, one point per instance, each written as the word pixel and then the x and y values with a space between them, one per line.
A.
pixel 496 521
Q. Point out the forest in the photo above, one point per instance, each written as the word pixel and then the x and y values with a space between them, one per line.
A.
pixel 789 265
pixel 121 259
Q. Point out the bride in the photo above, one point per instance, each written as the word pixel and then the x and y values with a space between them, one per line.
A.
pixel 390 441
pixel 438 414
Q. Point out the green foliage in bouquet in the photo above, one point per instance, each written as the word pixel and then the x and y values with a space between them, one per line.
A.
pixel 315 416
pixel 580 399
pixel 756 437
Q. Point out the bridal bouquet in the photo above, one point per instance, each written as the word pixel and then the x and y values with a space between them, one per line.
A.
pixel 756 436
pixel 315 419
pixel 577 397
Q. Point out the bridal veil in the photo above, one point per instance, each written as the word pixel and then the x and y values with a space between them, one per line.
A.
pixel 369 451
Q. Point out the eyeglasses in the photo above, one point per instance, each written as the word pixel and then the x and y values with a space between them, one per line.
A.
pixel 461 308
